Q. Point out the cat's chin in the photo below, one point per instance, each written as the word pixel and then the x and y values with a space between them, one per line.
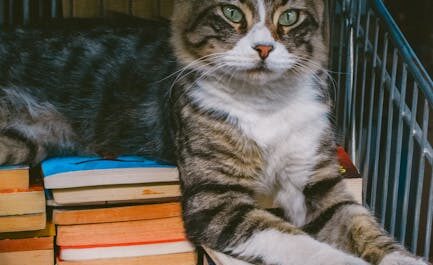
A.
pixel 260 76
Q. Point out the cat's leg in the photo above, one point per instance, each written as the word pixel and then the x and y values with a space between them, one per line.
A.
pixel 222 215
pixel 28 127
pixel 220 172
pixel 335 218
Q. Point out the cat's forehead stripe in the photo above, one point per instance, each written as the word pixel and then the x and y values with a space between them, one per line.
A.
pixel 262 11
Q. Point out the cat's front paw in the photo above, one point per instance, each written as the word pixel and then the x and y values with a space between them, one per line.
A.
pixel 336 257
pixel 397 258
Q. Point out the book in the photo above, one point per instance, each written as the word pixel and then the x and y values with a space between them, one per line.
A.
pixel 48 231
pixel 26 244
pixel 116 214
pixel 19 202
pixel 348 169
pixel 29 240
pixel 18 223
pixel 121 233
pixel 124 251
pixel 188 258
pixel 34 257
pixel 75 172
pixel 354 186
pixel 14 177
pixel 350 173
pixel 115 194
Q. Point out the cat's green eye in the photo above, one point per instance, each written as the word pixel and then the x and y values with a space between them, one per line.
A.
pixel 289 18
pixel 233 13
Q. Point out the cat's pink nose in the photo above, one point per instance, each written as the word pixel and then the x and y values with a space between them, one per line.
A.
pixel 264 50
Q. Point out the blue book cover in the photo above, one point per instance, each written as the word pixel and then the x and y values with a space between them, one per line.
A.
pixel 53 166
pixel 84 171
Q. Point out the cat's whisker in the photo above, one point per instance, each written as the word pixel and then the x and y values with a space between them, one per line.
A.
pixel 212 56
pixel 224 75
pixel 313 63
pixel 233 73
pixel 303 69
pixel 182 76
pixel 209 71
pixel 328 73
pixel 304 61
pixel 317 64
pixel 193 63
pixel 310 72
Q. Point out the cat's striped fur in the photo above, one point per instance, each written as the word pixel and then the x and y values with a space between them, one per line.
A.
pixel 248 134
pixel 242 125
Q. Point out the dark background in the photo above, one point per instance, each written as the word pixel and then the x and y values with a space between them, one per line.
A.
pixel 415 18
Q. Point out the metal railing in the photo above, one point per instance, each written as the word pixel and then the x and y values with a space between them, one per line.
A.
pixel 23 12
pixel 383 112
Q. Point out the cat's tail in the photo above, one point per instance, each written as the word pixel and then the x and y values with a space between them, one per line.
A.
pixel 28 127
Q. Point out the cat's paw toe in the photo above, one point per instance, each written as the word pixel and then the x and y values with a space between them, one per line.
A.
pixel 338 258
pixel 397 258
pixel 354 261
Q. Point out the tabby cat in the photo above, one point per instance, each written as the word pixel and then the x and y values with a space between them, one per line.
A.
pixel 234 94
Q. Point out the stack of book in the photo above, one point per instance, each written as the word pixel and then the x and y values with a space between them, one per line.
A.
pixel 140 234
pixel 111 212
pixel 77 181
pixel 31 247
pixel 22 204
pixel 24 233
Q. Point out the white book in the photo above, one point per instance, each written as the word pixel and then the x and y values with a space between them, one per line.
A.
pixel 80 254
pixel 115 194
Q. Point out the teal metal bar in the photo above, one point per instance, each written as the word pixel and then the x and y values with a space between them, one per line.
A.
pixel 2 13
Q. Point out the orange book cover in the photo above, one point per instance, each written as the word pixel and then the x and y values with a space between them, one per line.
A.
pixel 26 244
pixel 19 223
pixel 17 190
pixel 15 177
pixel 22 201
pixel 121 233
pixel 116 214
pixel 48 231
pixel 33 257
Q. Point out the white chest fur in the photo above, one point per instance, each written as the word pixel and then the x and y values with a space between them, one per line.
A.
pixel 288 133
